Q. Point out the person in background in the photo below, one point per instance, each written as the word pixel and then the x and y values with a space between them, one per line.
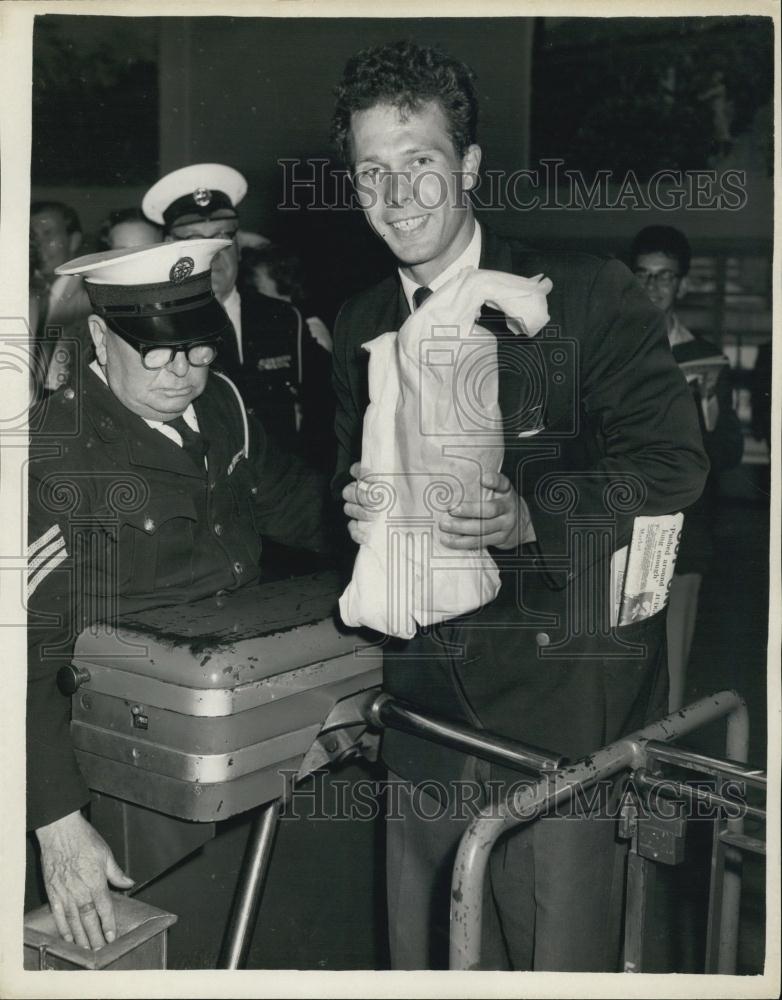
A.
pixel 279 274
pixel 61 305
pixel 660 259
pixel 126 228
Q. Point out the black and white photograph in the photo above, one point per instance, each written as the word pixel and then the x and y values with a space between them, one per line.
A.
pixel 390 494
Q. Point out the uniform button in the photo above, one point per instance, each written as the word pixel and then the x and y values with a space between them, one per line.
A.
pixel 254 491
pixel 218 529
pixel 149 524
pixel 69 394
pixel 543 639
pixel 238 568
pixel 212 485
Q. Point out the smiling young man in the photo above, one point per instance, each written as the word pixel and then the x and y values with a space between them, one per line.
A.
pixel 597 413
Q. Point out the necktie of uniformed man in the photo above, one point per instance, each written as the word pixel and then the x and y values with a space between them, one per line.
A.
pixel 420 295
pixel 192 442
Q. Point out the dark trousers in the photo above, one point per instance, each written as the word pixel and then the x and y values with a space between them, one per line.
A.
pixel 552 898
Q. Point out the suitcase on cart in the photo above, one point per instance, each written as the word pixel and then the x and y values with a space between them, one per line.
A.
pixel 203 711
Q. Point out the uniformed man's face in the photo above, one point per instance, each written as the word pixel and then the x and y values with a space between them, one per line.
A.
pixel 55 245
pixel 154 395
pixel 225 265
pixel 412 185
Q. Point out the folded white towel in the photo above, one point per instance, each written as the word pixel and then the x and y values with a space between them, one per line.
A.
pixel 432 428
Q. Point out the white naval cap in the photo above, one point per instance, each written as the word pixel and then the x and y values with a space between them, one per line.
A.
pixel 193 193
pixel 158 294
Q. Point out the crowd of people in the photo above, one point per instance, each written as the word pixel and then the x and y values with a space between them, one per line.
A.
pixel 179 335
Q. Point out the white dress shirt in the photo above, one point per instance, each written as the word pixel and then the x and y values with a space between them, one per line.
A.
pixel 469 257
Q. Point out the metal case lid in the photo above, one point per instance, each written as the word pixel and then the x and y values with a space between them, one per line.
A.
pixel 228 640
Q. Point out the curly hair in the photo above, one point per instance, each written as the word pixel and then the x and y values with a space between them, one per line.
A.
pixel 663 239
pixel 406 76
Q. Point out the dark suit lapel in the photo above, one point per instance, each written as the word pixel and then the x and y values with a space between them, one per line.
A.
pixel 518 357
pixel 391 312
pixel 495 253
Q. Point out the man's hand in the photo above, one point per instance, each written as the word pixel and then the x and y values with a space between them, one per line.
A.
pixel 357 508
pixel 502 521
pixel 76 863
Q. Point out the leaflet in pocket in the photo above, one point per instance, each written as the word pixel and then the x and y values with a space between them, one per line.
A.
pixel 641 573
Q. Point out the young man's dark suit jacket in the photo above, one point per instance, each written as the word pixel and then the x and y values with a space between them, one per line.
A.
pixel 619 436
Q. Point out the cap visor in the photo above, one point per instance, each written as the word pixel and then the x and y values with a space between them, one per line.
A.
pixel 171 328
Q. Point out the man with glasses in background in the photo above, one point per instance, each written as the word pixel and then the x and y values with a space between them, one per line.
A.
pixel 149 485
pixel 660 259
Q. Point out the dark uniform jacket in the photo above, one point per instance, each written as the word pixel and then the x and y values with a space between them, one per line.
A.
pixel 608 431
pixel 122 519
pixel 284 377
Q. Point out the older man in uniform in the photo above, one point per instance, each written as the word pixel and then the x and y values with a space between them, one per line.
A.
pixel 149 485
pixel 265 358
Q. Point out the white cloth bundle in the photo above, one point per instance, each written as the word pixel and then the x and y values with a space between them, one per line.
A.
pixel 432 427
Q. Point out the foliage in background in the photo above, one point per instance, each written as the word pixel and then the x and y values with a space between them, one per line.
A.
pixel 95 95
pixel 646 94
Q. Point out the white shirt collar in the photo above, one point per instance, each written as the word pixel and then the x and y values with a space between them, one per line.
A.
pixel 678 332
pixel 233 306
pixel 159 425
pixel 469 257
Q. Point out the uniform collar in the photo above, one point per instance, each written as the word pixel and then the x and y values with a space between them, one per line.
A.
pixel 469 257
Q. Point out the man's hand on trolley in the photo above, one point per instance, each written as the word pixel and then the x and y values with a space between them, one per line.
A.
pixel 77 863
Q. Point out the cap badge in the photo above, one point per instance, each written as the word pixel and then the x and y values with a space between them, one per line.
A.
pixel 202 197
pixel 181 270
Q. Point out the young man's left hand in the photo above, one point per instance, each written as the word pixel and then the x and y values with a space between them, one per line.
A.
pixel 502 521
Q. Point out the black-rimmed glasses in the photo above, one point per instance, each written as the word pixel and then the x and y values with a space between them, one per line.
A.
pixel 199 354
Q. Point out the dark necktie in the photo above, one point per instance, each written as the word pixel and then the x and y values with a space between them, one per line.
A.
pixel 420 295
pixel 192 442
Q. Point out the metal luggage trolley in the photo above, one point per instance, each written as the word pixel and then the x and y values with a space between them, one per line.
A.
pixel 654 838
pixel 184 717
